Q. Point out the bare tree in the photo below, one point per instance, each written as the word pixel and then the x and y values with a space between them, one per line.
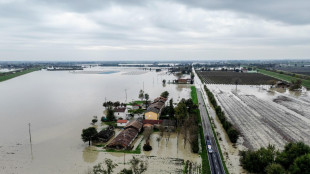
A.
pixel 138 166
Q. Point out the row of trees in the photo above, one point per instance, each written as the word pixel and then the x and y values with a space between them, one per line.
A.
pixel 114 104
pixel 231 131
pixel 187 123
pixel 294 159
pixel 137 166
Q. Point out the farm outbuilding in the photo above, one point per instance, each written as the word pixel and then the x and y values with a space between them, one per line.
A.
pixel 125 138
pixel 154 110
pixel 106 135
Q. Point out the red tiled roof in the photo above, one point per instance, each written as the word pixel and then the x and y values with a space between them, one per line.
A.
pixel 122 121
pixel 119 109
pixel 152 121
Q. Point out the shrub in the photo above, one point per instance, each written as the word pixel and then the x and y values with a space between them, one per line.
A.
pixel 147 147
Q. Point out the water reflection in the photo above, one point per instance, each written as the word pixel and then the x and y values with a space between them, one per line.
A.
pixel 90 154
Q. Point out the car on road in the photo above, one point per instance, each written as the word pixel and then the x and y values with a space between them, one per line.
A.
pixel 208 142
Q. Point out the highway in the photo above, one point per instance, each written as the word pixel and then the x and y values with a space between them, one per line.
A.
pixel 214 158
pixel 215 161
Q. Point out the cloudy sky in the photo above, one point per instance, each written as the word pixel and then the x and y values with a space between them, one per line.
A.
pixel 154 29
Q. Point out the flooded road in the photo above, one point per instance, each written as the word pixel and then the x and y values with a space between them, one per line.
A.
pixel 59 105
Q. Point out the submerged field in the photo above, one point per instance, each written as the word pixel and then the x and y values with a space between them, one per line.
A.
pixel 264 116
pixel 59 104
pixel 231 77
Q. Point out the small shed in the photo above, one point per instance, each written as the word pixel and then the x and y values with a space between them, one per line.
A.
pixel 122 123
pixel 106 135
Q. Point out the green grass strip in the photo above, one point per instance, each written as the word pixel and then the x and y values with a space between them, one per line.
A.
pixel 305 83
pixel 204 154
pixel 194 95
pixel 10 76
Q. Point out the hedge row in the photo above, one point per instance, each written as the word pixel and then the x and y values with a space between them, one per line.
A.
pixel 231 131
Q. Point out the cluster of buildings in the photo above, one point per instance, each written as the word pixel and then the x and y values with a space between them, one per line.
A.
pixel 132 129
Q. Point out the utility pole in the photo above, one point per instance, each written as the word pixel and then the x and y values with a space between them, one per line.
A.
pixel 29 132
pixel 126 95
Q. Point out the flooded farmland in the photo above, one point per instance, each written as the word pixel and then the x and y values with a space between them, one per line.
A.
pixel 265 115
pixel 59 105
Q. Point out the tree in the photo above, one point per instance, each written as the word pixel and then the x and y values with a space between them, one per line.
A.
pixel 171 108
pixel 291 152
pixel 233 134
pixel 296 84
pixel 94 120
pixel 257 161
pixel 158 140
pixel 180 113
pixel 88 134
pixel 99 169
pixel 110 114
pixel 116 104
pixel 236 81
pixel 301 165
pixel 192 75
pixel 141 95
pixel 275 168
pixel 164 82
pixel 147 97
pixel 164 94
pixel 110 165
pixel 138 166
pixel 126 171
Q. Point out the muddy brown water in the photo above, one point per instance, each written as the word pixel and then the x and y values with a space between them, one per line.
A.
pixel 59 105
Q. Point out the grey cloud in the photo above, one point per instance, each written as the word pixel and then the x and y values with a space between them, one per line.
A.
pixel 287 11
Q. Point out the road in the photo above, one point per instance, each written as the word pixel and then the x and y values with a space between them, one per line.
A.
pixel 215 161
pixel 214 158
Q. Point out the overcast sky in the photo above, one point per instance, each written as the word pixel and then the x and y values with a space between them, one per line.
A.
pixel 154 29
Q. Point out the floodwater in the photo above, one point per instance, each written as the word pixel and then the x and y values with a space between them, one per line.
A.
pixel 59 104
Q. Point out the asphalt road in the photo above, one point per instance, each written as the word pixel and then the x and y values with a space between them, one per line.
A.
pixel 214 158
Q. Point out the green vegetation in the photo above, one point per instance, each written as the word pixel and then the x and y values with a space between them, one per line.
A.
pixel 135 103
pixel 194 95
pixel 136 151
pixel 288 78
pixel 88 134
pixel 295 158
pixel 7 76
pixel 231 131
pixel 217 143
pixel 204 156
pixel 164 94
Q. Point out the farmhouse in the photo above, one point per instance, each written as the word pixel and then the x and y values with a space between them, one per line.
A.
pixel 125 138
pixel 121 113
pixel 154 110
pixel 282 84
pixel 122 123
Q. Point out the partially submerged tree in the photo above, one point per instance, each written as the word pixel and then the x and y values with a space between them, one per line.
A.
pixel 99 169
pixel 88 134
pixel 138 166
pixel 147 97
pixel 94 120
pixel 141 95
pixel 110 114
pixel 165 94
pixel 147 135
